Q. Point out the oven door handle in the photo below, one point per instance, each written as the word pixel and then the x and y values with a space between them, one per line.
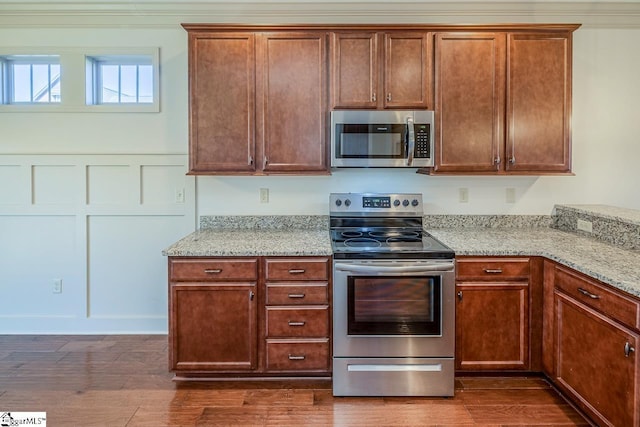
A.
pixel 354 268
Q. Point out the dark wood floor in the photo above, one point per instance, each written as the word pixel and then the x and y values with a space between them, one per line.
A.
pixel 123 381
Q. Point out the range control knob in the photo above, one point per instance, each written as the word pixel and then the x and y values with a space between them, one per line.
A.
pixel 347 202
pixel 338 202
pixel 414 202
pixel 396 202
pixel 405 203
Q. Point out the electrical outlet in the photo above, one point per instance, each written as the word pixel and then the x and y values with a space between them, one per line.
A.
pixel 463 195
pixel 264 195
pixel 511 195
pixel 179 195
pixel 585 226
pixel 57 286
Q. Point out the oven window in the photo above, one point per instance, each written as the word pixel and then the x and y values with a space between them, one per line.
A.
pixel 370 141
pixel 394 305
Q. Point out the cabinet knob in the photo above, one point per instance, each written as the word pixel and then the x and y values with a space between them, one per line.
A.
pixel 389 97
pixel 497 160
pixel 373 97
pixel 250 160
pixel 251 295
pixel 265 161
pixel 459 295
pixel 512 160
pixel 628 349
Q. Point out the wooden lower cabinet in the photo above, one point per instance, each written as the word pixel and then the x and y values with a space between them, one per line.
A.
pixel 595 358
pixel 213 314
pixel 297 315
pixel 249 316
pixel 492 313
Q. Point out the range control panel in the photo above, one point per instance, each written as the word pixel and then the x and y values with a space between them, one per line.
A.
pixel 383 204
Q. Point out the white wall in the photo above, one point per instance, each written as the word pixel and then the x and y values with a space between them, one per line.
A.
pixel 90 197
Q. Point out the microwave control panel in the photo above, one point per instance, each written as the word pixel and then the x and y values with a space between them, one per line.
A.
pixel 423 145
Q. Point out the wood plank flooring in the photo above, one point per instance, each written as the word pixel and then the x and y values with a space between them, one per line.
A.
pixel 124 381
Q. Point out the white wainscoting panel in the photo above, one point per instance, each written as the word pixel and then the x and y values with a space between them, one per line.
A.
pixel 99 224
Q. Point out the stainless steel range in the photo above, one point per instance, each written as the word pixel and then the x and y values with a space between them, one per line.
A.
pixel 393 299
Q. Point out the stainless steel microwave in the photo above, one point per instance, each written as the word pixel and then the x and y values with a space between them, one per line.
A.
pixel 382 139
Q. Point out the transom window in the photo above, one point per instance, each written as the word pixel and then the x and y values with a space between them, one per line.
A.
pixel 121 79
pixel 30 79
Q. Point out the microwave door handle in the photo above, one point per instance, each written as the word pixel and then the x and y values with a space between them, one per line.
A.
pixel 411 141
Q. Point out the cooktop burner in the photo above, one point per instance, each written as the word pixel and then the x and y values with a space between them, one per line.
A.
pixel 381 226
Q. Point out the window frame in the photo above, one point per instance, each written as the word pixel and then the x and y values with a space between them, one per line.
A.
pixel 93 87
pixel 7 76
pixel 74 82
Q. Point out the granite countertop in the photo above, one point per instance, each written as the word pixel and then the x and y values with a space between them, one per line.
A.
pixel 252 242
pixel 604 261
pixel 608 263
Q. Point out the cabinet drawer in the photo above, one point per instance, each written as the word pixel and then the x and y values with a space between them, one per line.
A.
pixel 297 294
pixel 297 269
pixel 298 356
pixel 203 269
pixel 492 269
pixel 298 322
pixel 583 289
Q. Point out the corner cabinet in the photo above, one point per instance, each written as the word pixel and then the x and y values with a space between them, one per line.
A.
pixel 258 101
pixel 503 102
pixel 492 313
pixel 595 336
pixel 377 70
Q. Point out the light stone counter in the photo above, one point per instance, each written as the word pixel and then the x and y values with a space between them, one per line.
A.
pixel 253 242
pixel 610 264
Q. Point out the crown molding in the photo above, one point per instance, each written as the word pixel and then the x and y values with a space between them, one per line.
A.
pixel 168 14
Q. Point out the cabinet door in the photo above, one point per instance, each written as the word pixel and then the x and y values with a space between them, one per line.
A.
pixel 592 365
pixel 213 327
pixel 292 102
pixel 354 70
pixel 539 103
pixel 470 81
pixel 221 99
pixel 492 326
pixel 407 70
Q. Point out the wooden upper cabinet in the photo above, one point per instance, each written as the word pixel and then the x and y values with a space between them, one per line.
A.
pixel 470 81
pixel 221 102
pixel 355 70
pixel 292 102
pixel 257 102
pixel 372 70
pixel 539 102
pixel 407 70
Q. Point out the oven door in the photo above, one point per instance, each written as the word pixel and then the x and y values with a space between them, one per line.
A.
pixel 393 308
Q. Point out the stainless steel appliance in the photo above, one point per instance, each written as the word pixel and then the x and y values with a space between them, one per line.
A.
pixel 372 138
pixel 393 299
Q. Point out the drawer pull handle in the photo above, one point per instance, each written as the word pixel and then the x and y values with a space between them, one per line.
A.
pixel 213 271
pixel 296 323
pixel 292 357
pixel 297 271
pixel 628 349
pixel 589 294
pixel 493 270
pixel 296 295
